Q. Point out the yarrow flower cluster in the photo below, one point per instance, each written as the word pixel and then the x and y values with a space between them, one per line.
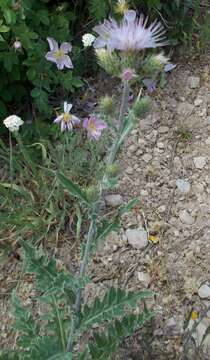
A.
pixel 59 55
pixel 88 39
pixel 129 35
pixel 67 120
pixel 13 122
pixel 94 127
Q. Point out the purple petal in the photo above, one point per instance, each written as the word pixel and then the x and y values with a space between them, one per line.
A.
pixel 52 44
pixel 75 120
pixel 69 126
pixel 50 56
pixel 99 43
pixel 130 16
pixel 67 107
pixel 67 62
pixel 169 67
pixel 85 123
pixel 63 126
pixel 58 119
pixel 65 47
pixel 60 63
pixel 100 125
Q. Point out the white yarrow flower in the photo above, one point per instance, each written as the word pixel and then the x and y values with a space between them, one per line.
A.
pixel 13 122
pixel 88 39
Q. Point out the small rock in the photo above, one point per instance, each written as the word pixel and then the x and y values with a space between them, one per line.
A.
pixel 161 145
pixel 204 291
pixel 207 141
pixel 185 109
pixel 199 162
pixel 193 82
pixel 137 238
pixel 114 200
pixel 163 129
pixel 208 120
pixel 186 218
pixel 133 148
pixel 183 185
pixel 162 209
pixel 144 278
pixel 198 102
pixel 129 170
pixel 144 193
pixel 147 157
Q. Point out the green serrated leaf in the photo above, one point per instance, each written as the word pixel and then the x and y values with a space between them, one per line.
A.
pixel 104 346
pixel 73 188
pixel 111 306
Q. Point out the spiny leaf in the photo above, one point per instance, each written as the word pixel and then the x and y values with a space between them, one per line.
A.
pixel 105 345
pixel 106 228
pixel 73 188
pixel 111 306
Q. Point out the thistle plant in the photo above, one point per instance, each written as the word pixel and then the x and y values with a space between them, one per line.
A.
pixel 69 317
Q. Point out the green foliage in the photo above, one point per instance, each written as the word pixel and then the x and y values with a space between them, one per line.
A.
pixel 26 76
pixel 48 342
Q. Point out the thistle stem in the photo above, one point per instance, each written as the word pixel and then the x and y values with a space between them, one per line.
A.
pixel 92 228
pixel 10 160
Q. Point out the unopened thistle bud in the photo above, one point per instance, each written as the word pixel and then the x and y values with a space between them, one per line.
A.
pixel 92 193
pixel 141 107
pixel 155 63
pixel 113 170
pixel 109 61
pixel 106 105
pixel 128 74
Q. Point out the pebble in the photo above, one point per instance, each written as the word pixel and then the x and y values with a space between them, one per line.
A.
pixel 147 157
pixel 144 278
pixel 204 291
pixel 207 141
pixel 163 129
pixel 193 82
pixel 186 218
pixel 114 200
pixel 199 162
pixel 137 238
pixel 144 193
pixel 129 170
pixel 185 108
pixel 198 102
pixel 183 186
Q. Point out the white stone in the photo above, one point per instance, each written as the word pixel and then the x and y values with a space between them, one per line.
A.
pixel 193 82
pixel 198 102
pixel 162 209
pixel 144 278
pixel 204 291
pixel 207 141
pixel 163 129
pixel 147 157
pixel 161 145
pixel 185 108
pixel 137 238
pixel 114 200
pixel 129 170
pixel 144 193
pixel 183 185
pixel 186 218
pixel 199 162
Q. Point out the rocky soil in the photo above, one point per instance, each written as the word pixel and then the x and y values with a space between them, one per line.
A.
pixel 164 242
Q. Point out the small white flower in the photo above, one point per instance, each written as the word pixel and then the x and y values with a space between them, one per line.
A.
pixel 13 122
pixel 88 39
pixel 17 45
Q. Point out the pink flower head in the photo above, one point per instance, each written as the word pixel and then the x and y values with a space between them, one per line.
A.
pixel 17 45
pixel 67 120
pixel 59 55
pixel 128 74
pixel 131 34
pixel 94 127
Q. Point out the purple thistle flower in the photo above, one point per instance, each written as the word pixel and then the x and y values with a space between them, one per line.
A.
pixel 150 84
pixel 128 74
pixel 67 120
pixel 131 34
pixel 94 127
pixel 58 55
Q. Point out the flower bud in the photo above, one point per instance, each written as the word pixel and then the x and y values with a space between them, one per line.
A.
pixel 92 193
pixel 17 45
pixel 106 105
pixel 109 61
pixel 112 170
pixel 154 64
pixel 141 107
pixel 128 74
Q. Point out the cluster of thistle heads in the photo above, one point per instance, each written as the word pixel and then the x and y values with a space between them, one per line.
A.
pixel 119 48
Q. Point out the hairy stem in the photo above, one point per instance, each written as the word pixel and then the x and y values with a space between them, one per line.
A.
pixel 92 227
pixel 10 160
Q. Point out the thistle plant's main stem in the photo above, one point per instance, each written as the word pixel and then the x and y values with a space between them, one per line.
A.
pixel 92 227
